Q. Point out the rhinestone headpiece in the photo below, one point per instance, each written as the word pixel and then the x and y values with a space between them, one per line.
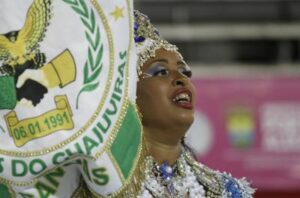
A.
pixel 148 40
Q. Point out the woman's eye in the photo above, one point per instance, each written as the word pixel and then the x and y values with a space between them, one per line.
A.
pixel 186 72
pixel 161 72
pixel 158 70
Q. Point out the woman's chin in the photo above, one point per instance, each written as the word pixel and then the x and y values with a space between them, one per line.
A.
pixel 185 118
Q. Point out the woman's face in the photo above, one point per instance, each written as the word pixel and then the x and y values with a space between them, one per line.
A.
pixel 165 95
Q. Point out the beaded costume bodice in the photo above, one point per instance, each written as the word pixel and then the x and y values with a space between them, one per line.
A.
pixel 189 178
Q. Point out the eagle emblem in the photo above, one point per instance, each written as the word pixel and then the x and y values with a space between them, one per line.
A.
pixel 19 51
pixel 18 48
pixel 25 66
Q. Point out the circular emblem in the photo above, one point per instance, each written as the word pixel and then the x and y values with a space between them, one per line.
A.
pixel 61 80
pixel 64 88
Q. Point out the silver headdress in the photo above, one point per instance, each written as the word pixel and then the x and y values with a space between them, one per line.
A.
pixel 148 40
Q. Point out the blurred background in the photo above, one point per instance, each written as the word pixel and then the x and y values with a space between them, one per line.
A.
pixel 245 57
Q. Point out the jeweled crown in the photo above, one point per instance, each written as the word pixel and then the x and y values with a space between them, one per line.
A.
pixel 147 40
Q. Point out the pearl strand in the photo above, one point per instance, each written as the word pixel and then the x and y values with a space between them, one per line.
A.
pixel 195 188
pixel 183 185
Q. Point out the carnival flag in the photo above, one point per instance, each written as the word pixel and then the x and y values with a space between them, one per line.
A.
pixel 67 91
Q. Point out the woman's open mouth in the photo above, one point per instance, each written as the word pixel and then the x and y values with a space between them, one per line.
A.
pixel 183 98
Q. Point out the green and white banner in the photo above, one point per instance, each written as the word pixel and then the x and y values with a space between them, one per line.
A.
pixel 67 91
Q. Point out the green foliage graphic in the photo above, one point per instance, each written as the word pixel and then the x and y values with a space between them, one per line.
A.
pixel 93 64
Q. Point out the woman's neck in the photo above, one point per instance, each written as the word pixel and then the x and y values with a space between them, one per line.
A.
pixel 161 149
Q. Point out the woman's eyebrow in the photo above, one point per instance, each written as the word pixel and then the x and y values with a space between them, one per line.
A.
pixel 159 60
pixel 181 62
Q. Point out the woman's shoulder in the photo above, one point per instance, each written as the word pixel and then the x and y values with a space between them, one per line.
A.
pixel 220 184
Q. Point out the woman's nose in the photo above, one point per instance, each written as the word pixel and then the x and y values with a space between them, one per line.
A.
pixel 180 80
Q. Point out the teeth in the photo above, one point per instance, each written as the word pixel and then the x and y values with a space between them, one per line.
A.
pixel 182 96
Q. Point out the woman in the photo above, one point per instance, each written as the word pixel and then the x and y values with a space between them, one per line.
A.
pixel 166 100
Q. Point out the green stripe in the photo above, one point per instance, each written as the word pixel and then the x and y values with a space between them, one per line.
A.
pixel 4 191
pixel 127 142
pixel 8 98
